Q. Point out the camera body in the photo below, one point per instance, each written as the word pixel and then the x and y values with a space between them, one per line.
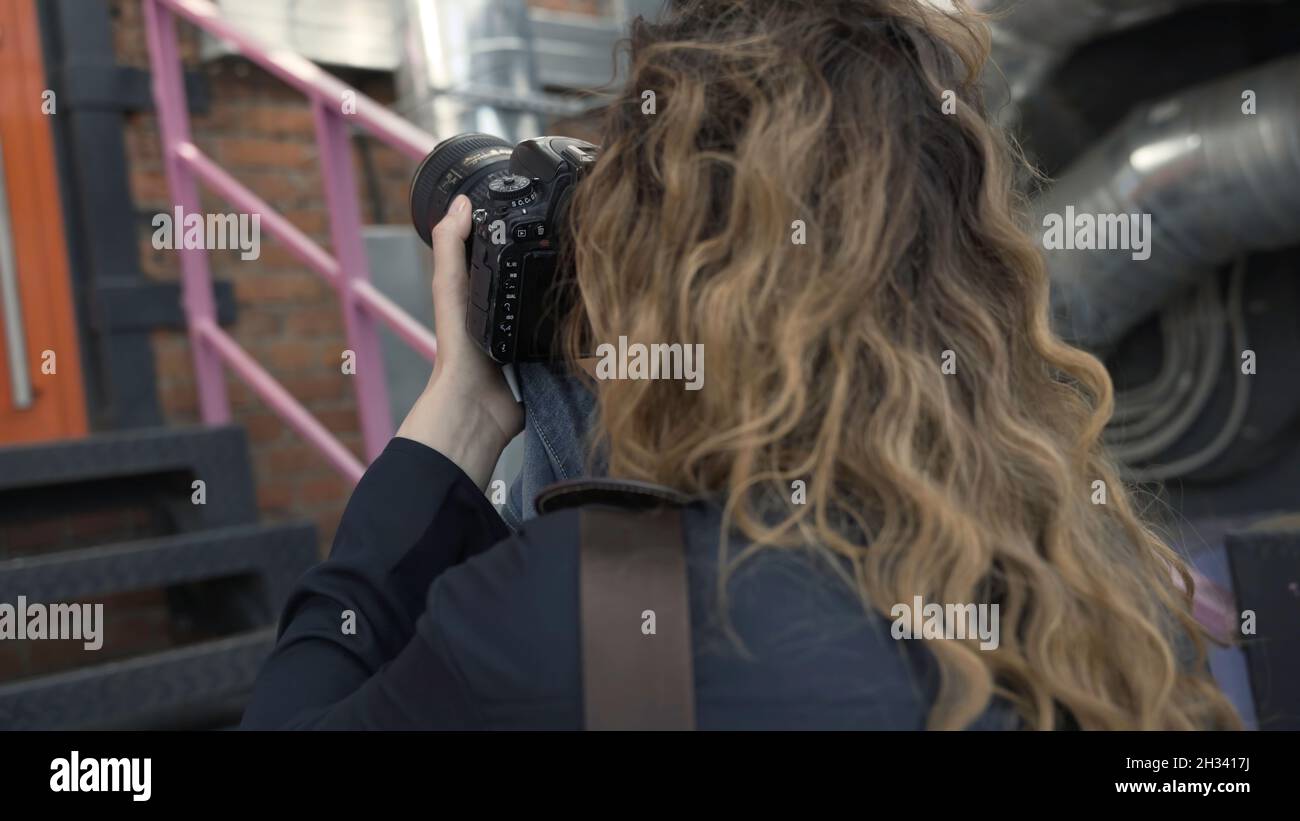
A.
pixel 518 283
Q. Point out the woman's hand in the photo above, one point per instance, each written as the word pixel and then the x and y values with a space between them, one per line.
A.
pixel 466 412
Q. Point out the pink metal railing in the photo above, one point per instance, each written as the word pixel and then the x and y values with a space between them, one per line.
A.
pixel 346 269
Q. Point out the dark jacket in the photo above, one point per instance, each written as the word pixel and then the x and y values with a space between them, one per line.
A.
pixel 460 624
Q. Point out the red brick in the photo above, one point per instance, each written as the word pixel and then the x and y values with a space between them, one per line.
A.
pixel 286 287
pixel 339 421
pixel 134 623
pixel 172 354
pixel 242 84
pixel 241 396
pixel 310 389
pixel 262 153
pixel 325 320
pixel 326 488
pixel 257 323
pixel 150 190
pixel 280 120
pixel 13 661
pixel 181 408
pixel 331 358
pixel 276 257
pixel 352 441
pixel 53 656
pixel 311 221
pixel 97 522
pixel 274 497
pixel 33 536
pixel 287 355
pixel 146 599
pixel 288 460
pixel 136 634
pixel 262 427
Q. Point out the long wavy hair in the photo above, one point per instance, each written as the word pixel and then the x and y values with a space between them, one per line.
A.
pixel 811 189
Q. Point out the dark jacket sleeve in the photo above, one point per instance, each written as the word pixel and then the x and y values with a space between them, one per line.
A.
pixel 349 655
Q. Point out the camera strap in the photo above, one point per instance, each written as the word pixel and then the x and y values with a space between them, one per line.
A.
pixel 636 624
pixel 634 605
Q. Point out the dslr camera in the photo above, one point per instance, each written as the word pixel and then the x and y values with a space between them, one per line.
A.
pixel 519 279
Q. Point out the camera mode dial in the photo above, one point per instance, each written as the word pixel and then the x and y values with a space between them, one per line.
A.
pixel 510 187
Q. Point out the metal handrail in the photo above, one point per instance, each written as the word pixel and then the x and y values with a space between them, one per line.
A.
pixel 336 108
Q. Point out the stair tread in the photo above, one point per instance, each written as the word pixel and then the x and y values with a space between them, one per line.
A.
pixel 279 552
pixel 217 455
pixel 114 691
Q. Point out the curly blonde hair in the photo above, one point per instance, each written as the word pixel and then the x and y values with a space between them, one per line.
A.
pixel 825 357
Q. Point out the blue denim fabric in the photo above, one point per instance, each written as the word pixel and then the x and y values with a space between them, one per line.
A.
pixel 559 411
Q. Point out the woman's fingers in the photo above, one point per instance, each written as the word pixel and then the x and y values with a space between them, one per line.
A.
pixel 467 411
pixel 450 280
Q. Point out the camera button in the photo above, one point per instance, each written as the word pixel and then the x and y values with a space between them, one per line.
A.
pixel 530 230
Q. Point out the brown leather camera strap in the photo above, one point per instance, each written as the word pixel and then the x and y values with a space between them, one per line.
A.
pixel 632 569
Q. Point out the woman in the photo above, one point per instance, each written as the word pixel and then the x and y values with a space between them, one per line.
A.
pixel 886 418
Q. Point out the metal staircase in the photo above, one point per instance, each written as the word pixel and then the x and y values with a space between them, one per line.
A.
pixel 224 575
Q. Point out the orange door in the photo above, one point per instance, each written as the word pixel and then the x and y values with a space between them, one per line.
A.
pixel 41 394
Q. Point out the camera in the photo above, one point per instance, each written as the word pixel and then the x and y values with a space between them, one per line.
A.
pixel 520 279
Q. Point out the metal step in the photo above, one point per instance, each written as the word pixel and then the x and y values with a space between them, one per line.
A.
pixel 278 554
pixel 124 694
pixel 217 455
pixel 183 684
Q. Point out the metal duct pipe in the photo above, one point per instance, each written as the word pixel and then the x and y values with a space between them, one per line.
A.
pixel 1032 37
pixel 464 63
pixel 1215 181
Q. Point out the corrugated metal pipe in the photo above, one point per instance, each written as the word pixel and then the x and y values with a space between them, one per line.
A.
pixel 1194 180
pixel 464 65
pixel 1032 37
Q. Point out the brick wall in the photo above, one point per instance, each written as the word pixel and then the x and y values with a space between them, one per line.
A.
pixel 288 318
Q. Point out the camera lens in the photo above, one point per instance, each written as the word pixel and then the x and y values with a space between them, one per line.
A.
pixel 458 165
